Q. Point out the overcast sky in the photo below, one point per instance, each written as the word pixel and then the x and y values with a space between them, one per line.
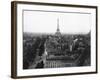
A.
pixel 46 22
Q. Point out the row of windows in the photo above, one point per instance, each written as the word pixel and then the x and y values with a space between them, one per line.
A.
pixel 55 64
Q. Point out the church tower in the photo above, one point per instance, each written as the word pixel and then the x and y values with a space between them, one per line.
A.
pixel 58 30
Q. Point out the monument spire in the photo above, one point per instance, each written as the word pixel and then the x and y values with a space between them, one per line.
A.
pixel 58 30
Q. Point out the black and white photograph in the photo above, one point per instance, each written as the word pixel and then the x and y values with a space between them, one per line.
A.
pixel 54 39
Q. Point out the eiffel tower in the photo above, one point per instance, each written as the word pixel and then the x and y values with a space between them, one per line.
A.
pixel 58 29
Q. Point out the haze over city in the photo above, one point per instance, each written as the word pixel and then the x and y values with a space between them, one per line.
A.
pixel 46 22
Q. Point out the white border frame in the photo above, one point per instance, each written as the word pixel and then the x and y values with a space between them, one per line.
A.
pixel 35 72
